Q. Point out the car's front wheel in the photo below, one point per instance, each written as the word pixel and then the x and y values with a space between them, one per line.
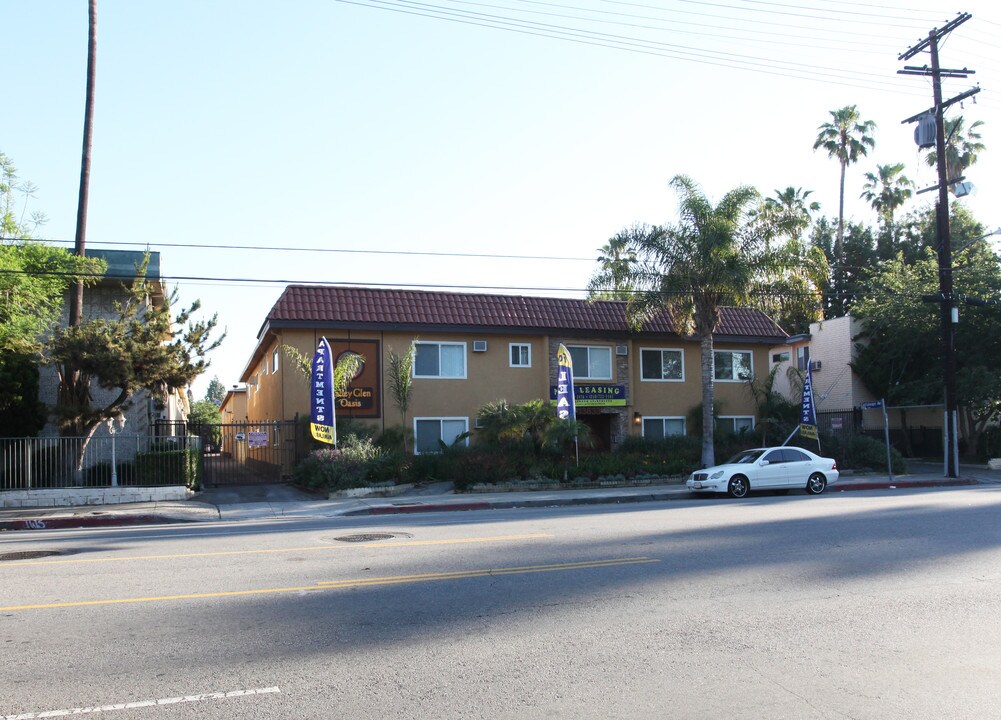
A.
pixel 738 487
pixel 816 484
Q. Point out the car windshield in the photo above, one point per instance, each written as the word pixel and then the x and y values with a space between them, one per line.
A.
pixel 745 458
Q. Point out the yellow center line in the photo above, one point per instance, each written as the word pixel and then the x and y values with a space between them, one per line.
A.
pixel 354 583
pixel 314 548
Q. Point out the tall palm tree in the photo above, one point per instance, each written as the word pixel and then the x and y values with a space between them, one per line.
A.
pixel 961 148
pixel 847 138
pixel 615 259
pixel 76 297
pixel 690 271
pixel 886 190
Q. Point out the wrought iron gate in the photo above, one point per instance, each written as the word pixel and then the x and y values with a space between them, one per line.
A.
pixel 249 453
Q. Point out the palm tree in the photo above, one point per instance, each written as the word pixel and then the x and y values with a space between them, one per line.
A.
pixel 961 149
pixel 886 190
pixel 846 138
pixel 615 258
pixel 76 296
pixel 788 213
pixel 692 269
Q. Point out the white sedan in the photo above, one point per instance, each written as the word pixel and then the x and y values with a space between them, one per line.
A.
pixel 774 468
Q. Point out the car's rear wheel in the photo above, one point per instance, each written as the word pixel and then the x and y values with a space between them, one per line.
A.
pixel 816 484
pixel 738 487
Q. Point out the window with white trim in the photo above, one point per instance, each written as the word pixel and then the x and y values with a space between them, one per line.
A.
pixel 662 365
pixel 430 433
pixel 732 365
pixel 658 428
pixel 735 424
pixel 591 362
pixel 274 362
pixel 440 360
pixel 780 357
pixel 520 355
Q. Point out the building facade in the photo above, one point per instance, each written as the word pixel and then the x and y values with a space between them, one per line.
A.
pixel 475 349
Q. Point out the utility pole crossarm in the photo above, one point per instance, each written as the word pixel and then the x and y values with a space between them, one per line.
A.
pixel 947 103
pixel 933 36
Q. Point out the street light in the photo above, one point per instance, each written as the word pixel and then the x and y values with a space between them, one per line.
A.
pixel 976 240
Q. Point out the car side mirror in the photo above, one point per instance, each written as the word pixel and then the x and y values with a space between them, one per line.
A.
pixel 764 462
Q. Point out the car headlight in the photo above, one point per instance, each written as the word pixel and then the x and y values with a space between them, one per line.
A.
pixel 716 475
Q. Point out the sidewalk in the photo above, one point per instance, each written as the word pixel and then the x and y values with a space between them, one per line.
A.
pixel 419 500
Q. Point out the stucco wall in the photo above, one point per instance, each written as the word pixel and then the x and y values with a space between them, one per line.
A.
pixel 490 377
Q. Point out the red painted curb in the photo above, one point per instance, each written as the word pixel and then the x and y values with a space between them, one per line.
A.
pixel 401 509
pixel 901 484
pixel 71 522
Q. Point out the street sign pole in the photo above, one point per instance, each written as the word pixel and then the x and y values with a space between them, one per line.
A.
pixel 886 433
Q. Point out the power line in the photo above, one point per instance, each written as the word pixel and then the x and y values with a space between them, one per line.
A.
pixel 265 282
pixel 490 256
pixel 796 71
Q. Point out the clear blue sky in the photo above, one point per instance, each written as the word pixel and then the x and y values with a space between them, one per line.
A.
pixel 369 126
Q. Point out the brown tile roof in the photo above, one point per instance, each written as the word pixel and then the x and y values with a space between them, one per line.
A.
pixel 302 305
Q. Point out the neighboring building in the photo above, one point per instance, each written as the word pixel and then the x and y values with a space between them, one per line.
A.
pixel 143 412
pixel 234 405
pixel 474 349
pixel 828 349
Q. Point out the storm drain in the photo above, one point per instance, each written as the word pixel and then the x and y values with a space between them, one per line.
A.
pixel 368 537
pixel 27 555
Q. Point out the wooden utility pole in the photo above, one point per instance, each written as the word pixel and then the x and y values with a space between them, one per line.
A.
pixel 949 313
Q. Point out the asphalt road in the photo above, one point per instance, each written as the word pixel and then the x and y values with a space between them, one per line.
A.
pixel 856 605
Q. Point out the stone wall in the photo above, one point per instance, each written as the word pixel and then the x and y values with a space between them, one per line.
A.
pixel 66 497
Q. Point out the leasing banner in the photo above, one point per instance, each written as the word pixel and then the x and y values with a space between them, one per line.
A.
pixel 565 403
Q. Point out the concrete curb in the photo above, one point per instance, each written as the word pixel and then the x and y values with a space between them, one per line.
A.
pixel 400 508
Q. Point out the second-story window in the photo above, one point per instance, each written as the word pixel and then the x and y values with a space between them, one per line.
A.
pixel 591 362
pixel 440 360
pixel 521 355
pixel 732 365
pixel 657 364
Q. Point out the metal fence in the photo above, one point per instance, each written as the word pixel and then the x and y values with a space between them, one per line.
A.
pixel 118 460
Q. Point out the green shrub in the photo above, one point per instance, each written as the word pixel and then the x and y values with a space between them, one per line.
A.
pixel 492 465
pixel 989 444
pixel 356 462
pixel 99 475
pixel 855 452
pixel 167 467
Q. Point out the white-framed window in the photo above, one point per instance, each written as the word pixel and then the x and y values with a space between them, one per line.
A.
pixel 591 362
pixel 662 365
pixel 735 424
pixel 430 432
pixel 732 365
pixel 658 428
pixel 780 357
pixel 274 362
pixel 520 355
pixel 440 360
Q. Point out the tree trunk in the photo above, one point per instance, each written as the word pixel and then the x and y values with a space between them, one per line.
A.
pixel 76 297
pixel 708 428
pixel 839 249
